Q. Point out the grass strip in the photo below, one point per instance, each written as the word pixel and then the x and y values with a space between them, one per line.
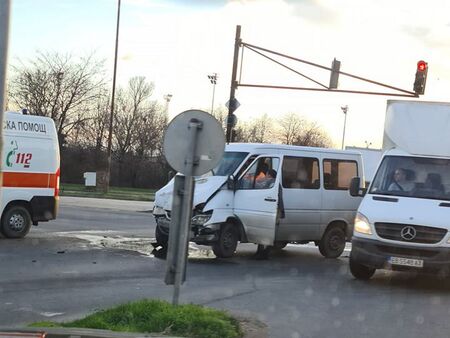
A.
pixel 155 316
pixel 132 194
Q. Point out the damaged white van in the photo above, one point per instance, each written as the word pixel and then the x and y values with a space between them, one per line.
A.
pixel 270 195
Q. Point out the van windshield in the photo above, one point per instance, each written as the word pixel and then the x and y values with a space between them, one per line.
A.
pixel 418 177
pixel 229 163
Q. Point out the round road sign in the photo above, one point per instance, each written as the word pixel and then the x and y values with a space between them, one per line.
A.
pixel 209 145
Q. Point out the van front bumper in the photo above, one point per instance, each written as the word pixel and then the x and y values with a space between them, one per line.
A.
pixel 376 254
pixel 199 235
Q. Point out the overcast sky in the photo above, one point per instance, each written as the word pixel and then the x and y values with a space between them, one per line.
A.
pixel 176 44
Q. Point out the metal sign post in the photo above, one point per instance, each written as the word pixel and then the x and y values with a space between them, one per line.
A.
pixel 5 8
pixel 193 144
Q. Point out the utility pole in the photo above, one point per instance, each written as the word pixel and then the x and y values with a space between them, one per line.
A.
pixel 213 79
pixel 344 110
pixel 111 117
pixel 5 9
pixel 231 105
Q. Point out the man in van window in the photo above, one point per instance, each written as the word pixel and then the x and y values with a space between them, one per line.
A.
pixel 400 182
pixel 268 180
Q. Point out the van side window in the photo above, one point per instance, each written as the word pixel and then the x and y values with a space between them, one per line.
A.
pixel 246 164
pixel 337 174
pixel 261 174
pixel 300 173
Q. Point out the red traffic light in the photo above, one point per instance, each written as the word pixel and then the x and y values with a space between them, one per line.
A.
pixel 421 66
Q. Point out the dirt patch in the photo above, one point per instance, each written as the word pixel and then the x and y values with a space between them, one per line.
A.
pixel 252 328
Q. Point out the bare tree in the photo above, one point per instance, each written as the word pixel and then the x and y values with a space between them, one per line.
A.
pixel 290 124
pixel 258 130
pixel 131 104
pixel 310 134
pixel 221 114
pixel 57 86
pixel 150 133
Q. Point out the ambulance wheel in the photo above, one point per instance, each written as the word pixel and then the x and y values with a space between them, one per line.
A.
pixel 332 243
pixel 16 222
pixel 360 271
pixel 226 245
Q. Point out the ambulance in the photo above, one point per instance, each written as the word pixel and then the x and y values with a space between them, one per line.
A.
pixel 30 166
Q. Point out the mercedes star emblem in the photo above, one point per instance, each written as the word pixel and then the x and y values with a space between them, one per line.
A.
pixel 408 233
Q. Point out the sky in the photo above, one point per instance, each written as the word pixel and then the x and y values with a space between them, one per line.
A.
pixel 175 44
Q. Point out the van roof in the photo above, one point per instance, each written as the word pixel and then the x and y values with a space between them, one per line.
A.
pixel 267 147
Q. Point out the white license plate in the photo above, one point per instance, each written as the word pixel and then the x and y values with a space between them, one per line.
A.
pixel 417 263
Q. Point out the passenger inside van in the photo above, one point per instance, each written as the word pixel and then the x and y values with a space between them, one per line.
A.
pixel 434 182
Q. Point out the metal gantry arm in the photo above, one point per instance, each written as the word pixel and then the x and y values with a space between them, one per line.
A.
pixel 264 51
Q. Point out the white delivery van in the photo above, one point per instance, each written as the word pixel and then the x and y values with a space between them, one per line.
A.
pixel 402 222
pixel 270 195
pixel 30 167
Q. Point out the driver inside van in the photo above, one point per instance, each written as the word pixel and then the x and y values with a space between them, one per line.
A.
pixel 251 180
pixel 400 181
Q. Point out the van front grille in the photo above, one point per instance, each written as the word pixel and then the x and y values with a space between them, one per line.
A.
pixel 422 234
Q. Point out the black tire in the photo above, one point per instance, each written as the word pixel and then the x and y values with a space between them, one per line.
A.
pixel 279 245
pixel 332 243
pixel 226 245
pixel 16 222
pixel 161 237
pixel 360 271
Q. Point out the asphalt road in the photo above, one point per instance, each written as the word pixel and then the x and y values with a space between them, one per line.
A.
pixel 94 257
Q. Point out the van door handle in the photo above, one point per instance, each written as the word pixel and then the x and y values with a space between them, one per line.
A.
pixel 270 199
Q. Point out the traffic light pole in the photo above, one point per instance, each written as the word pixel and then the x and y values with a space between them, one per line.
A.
pixel 237 44
pixel 5 9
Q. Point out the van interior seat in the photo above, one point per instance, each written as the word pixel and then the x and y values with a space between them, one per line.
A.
pixel 434 181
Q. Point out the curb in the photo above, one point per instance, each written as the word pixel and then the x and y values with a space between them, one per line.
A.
pixel 251 328
pixel 53 332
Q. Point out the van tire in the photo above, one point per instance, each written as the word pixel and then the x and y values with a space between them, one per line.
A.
pixel 360 271
pixel 332 243
pixel 15 222
pixel 226 245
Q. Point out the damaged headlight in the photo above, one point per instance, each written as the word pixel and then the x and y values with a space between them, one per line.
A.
pixel 200 219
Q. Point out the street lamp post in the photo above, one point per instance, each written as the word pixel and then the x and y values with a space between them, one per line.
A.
pixel 213 79
pixel 5 10
pixel 344 110
pixel 111 117
pixel 167 98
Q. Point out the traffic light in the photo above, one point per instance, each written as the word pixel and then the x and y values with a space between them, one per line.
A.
pixel 334 77
pixel 421 77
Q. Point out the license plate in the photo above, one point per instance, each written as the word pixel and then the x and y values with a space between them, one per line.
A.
pixel 417 263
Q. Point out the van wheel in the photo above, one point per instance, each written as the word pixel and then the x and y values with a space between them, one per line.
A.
pixel 16 222
pixel 161 238
pixel 279 245
pixel 332 243
pixel 226 245
pixel 360 271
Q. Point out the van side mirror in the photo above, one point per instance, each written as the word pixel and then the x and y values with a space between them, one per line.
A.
pixel 355 189
pixel 231 183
